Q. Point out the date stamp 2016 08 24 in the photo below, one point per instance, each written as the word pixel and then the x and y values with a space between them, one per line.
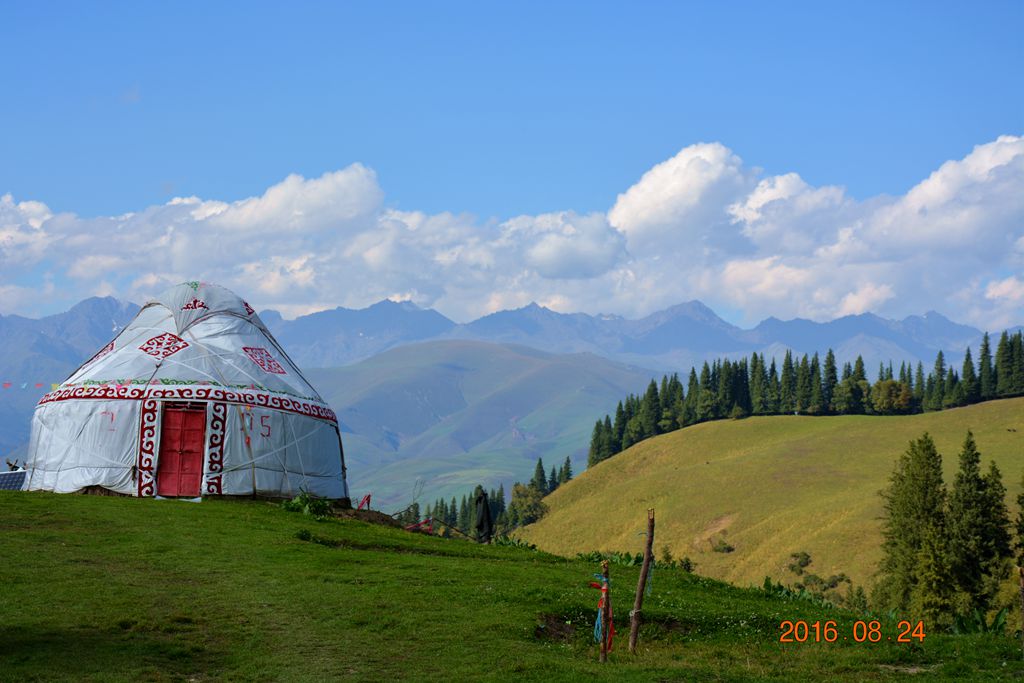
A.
pixel 801 631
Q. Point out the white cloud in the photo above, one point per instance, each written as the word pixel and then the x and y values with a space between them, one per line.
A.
pixel 683 200
pixel 1011 289
pixel 566 245
pixel 867 297
pixel 699 225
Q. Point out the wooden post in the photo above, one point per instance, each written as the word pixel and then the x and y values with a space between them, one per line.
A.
pixel 606 615
pixel 638 603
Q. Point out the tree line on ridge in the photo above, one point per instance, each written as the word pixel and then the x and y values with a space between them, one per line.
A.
pixel 737 389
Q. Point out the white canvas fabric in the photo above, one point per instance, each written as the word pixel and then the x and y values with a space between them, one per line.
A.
pixel 267 431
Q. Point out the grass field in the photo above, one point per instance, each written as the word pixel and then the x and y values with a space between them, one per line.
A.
pixel 110 589
pixel 769 486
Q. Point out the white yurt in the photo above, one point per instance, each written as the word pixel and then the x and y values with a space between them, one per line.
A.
pixel 194 397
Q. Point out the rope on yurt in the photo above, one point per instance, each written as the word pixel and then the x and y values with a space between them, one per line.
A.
pixel 238 408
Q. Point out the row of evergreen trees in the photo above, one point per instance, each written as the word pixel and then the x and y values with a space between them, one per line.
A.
pixel 462 516
pixel 735 389
pixel 945 551
pixel 525 506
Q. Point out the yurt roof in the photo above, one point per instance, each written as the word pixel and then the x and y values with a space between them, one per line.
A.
pixel 196 340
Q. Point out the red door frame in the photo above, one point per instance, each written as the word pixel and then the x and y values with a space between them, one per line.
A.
pixel 182 450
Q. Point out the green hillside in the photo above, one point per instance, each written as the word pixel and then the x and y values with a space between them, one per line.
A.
pixel 769 486
pixel 457 413
pixel 112 589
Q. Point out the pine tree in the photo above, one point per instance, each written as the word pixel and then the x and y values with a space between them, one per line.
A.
pixel 914 508
pixel 1004 366
pixel 618 429
pixel 596 438
pixel 650 411
pixel 920 387
pixel 830 380
pixel 607 448
pixel 1017 361
pixel 706 399
pixel 567 470
pixel 690 409
pixel 969 381
pixel 936 383
pixel 952 393
pixel 931 598
pixel 773 390
pixel 986 376
pixel 859 373
pixel 998 543
pixel 803 384
pixel 723 389
pixel 969 558
pixel 464 515
pixel 757 382
pixel 552 480
pixel 787 385
pixel 540 478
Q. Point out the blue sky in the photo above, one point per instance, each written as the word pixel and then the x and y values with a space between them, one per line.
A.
pixel 498 111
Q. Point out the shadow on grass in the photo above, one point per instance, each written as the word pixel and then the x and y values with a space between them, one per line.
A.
pixel 124 651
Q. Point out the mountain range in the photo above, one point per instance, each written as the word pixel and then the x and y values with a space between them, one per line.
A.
pixel 423 397
pixel 673 339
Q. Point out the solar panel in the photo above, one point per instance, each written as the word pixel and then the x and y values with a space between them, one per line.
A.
pixel 12 481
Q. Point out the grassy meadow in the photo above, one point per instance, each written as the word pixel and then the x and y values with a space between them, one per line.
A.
pixel 769 487
pixel 112 589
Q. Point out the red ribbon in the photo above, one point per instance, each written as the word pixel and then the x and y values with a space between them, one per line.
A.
pixel 600 606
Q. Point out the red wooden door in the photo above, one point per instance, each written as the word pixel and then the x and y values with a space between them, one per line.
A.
pixel 182 438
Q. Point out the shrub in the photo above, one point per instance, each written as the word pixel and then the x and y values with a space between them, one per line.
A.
pixel 720 545
pixel 318 508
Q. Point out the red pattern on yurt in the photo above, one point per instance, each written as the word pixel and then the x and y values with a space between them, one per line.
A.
pixel 163 345
pixel 102 352
pixel 248 397
pixel 195 305
pixel 147 446
pixel 262 358
pixel 215 447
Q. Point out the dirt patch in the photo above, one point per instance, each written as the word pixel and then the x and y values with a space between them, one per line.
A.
pixel 715 527
pixel 911 670
pixel 554 628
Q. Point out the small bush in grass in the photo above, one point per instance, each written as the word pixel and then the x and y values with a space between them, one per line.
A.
pixel 720 545
pixel 318 508
pixel 513 542
pixel 686 564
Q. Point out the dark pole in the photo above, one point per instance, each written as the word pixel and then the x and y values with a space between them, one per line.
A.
pixel 634 617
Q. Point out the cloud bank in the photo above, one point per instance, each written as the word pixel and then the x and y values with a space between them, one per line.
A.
pixel 699 225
